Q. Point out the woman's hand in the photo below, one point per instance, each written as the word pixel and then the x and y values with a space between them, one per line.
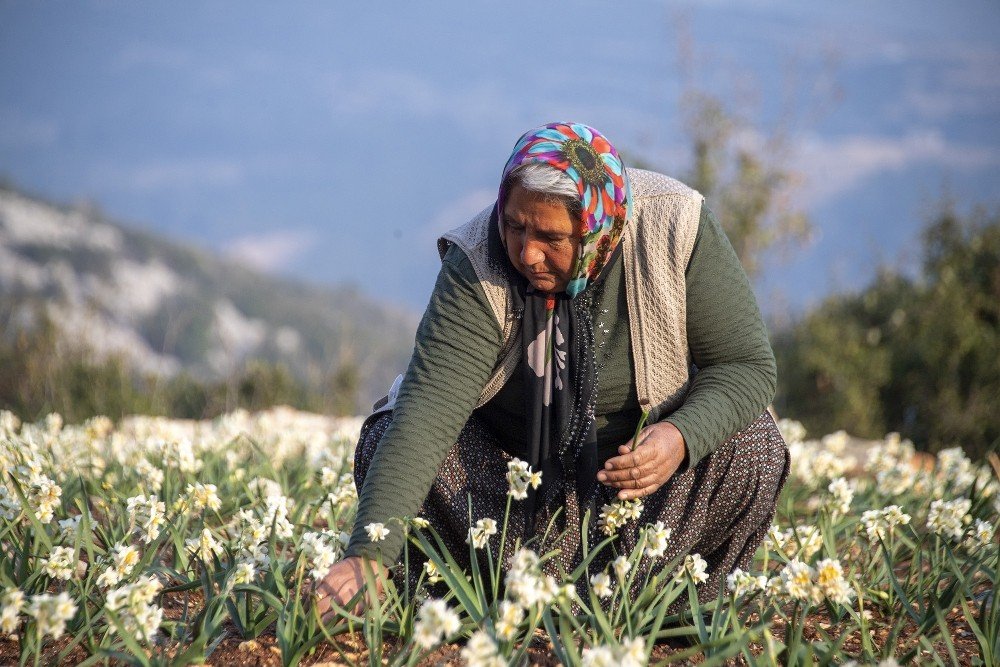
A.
pixel 342 582
pixel 656 458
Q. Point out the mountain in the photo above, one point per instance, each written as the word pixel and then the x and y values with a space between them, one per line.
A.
pixel 166 307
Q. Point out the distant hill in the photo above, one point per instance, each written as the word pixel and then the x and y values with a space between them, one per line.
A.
pixel 168 307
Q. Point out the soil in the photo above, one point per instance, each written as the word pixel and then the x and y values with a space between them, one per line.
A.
pixel 351 649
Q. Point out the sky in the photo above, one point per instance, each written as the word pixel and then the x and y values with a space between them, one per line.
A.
pixel 334 142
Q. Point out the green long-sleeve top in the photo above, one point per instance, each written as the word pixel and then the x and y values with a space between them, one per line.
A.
pixel 458 342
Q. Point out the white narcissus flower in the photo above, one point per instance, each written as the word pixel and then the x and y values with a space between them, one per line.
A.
pixel 695 567
pixel 805 540
pixel 631 653
pixel 204 546
pixel 44 495
pixel 133 607
pixel 178 453
pixel 203 496
pixel 376 531
pixel 791 430
pixel 742 583
pixel 657 538
pixel 981 535
pixel 328 476
pixel 526 586
pixel 9 423
pixel 51 612
pixel 481 651
pixel 263 487
pixel 108 578
pixel 598 656
pixel 891 452
pixel 775 540
pixel 524 560
pixel 480 534
pixel 431 570
pixel 898 479
pixel 125 557
pixel 276 514
pixel 243 573
pixel 621 566
pixel 247 531
pixel 815 462
pixel 435 622
pixel 797 580
pixel 11 605
pixel 321 550
pixel 10 505
pixel 949 517
pixel 420 522
pixel 67 527
pixel 956 467
pixel 146 516
pixel 344 494
pixel 894 516
pixel 149 476
pixel 831 583
pixel 841 496
pixel 60 564
pixel 510 617
pixel 520 477
pixel 601 584
pixel 616 514
pixel 882 523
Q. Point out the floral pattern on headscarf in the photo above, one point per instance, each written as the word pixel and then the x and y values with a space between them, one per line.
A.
pixel 589 159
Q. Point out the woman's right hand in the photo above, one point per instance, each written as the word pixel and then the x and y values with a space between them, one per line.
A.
pixel 342 582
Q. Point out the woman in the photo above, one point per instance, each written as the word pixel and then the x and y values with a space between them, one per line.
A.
pixel 586 296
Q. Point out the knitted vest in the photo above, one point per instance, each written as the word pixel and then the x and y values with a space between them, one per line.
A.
pixel 656 246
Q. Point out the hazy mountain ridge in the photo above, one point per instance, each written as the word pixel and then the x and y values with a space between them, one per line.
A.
pixel 167 307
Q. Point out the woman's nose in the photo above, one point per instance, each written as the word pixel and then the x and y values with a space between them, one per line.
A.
pixel 530 253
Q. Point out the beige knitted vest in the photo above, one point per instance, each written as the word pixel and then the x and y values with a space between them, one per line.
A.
pixel 656 246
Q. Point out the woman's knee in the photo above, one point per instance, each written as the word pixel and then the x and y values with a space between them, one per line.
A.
pixel 770 462
pixel 774 460
pixel 752 466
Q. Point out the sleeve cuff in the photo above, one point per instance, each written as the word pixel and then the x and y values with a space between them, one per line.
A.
pixel 692 453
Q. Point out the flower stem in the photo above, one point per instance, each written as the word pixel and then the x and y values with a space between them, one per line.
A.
pixel 638 428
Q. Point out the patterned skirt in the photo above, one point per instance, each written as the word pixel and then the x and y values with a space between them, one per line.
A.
pixel 720 509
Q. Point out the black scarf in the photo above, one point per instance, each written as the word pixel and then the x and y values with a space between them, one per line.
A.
pixel 560 391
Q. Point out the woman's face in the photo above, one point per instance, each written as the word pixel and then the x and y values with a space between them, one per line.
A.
pixel 541 239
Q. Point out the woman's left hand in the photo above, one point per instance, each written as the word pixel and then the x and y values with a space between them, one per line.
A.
pixel 656 458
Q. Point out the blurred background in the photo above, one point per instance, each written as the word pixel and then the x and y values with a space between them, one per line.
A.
pixel 214 205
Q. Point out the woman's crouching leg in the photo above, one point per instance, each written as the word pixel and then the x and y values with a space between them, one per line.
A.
pixel 722 508
pixel 475 468
pixel 749 470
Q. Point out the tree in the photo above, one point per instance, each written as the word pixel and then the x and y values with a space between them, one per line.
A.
pixel 744 179
pixel 921 357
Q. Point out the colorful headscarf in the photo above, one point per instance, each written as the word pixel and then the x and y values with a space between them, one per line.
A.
pixel 589 159
pixel 557 330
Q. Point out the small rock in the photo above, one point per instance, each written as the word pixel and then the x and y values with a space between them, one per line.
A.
pixel 249 645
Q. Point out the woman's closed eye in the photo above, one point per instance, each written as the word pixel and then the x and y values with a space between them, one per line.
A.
pixel 512 226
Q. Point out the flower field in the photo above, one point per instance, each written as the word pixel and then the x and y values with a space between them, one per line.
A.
pixel 169 542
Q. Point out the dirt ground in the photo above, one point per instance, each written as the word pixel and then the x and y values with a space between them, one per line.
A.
pixel 264 651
